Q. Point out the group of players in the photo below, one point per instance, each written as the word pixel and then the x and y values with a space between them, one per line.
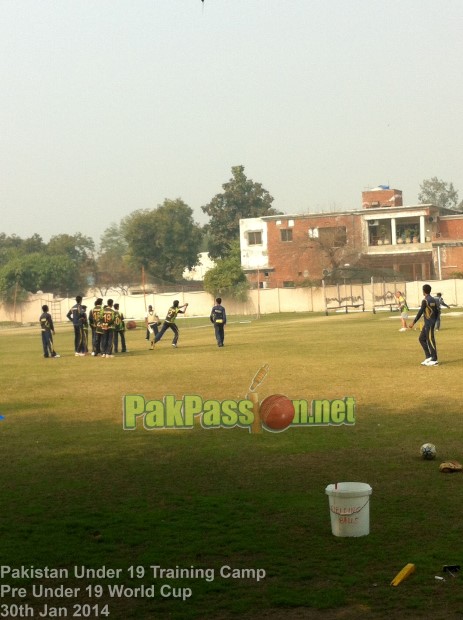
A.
pixel 218 318
pixel 107 325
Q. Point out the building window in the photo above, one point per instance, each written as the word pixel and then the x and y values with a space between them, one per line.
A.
pixel 333 236
pixel 291 223
pixel 286 234
pixel 313 233
pixel 255 237
pixel 407 232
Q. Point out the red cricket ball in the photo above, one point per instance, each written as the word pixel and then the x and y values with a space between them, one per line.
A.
pixel 277 412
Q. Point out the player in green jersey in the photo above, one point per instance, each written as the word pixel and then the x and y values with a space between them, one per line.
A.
pixel 169 322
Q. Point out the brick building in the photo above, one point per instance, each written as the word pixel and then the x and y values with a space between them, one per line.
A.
pixel 419 242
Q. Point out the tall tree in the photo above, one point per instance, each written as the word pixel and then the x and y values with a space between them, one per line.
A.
pixel 113 269
pixel 78 247
pixel 113 242
pixel 80 250
pixel 164 240
pixel 437 192
pixel 240 199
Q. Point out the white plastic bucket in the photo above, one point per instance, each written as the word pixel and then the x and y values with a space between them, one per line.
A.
pixel 349 508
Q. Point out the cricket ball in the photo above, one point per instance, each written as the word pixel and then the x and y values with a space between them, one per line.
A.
pixel 131 325
pixel 277 412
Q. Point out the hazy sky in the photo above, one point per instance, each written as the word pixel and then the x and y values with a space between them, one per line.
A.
pixel 108 106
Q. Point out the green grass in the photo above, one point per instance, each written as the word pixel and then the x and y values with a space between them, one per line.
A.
pixel 75 489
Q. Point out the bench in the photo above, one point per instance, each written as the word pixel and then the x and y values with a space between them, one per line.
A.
pixel 343 306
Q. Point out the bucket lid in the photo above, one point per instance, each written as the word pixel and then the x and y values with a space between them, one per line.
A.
pixel 349 489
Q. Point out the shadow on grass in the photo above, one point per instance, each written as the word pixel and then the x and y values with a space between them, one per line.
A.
pixel 91 494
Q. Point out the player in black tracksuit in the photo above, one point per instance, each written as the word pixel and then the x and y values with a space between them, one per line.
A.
pixel 219 318
pixel 83 331
pixel 430 312
pixel 119 330
pixel 48 329
pixel 440 303
pixel 74 316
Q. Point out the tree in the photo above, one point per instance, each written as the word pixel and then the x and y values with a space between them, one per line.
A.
pixel 78 247
pixel 33 244
pixel 437 192
pixel 28 265
pixel 113 242
pixel 227 277
pixel 241 198
pixel 14 246
pixel 57 274
pixel 113 269
pixel 164 240
pixel 80 250
pixel 33 272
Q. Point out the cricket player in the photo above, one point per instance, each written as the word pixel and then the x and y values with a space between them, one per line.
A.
pixel 94 318
pixel 119 330
pixel 218 319
pixel 151 321
pixel 429 310
pixel 74 316
pixel 169 322
pixel 107 325
pixel 48 329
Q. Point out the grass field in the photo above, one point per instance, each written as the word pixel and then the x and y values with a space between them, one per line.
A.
pixel 76 490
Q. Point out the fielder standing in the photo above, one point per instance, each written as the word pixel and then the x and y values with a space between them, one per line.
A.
pixel 74 316
pixel 218 319
pixel 48 329
pixel 403 308
pixel 440 303
pixel 107 324
pixel 119 330
pixel 430 312
pixel 93 320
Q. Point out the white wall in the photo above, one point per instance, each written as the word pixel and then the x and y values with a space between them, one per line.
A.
pixel 263 301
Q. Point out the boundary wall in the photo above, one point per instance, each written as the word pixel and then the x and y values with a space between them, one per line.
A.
pixel 369 297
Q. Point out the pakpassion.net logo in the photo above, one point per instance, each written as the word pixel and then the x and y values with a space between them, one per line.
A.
pixel 275 413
